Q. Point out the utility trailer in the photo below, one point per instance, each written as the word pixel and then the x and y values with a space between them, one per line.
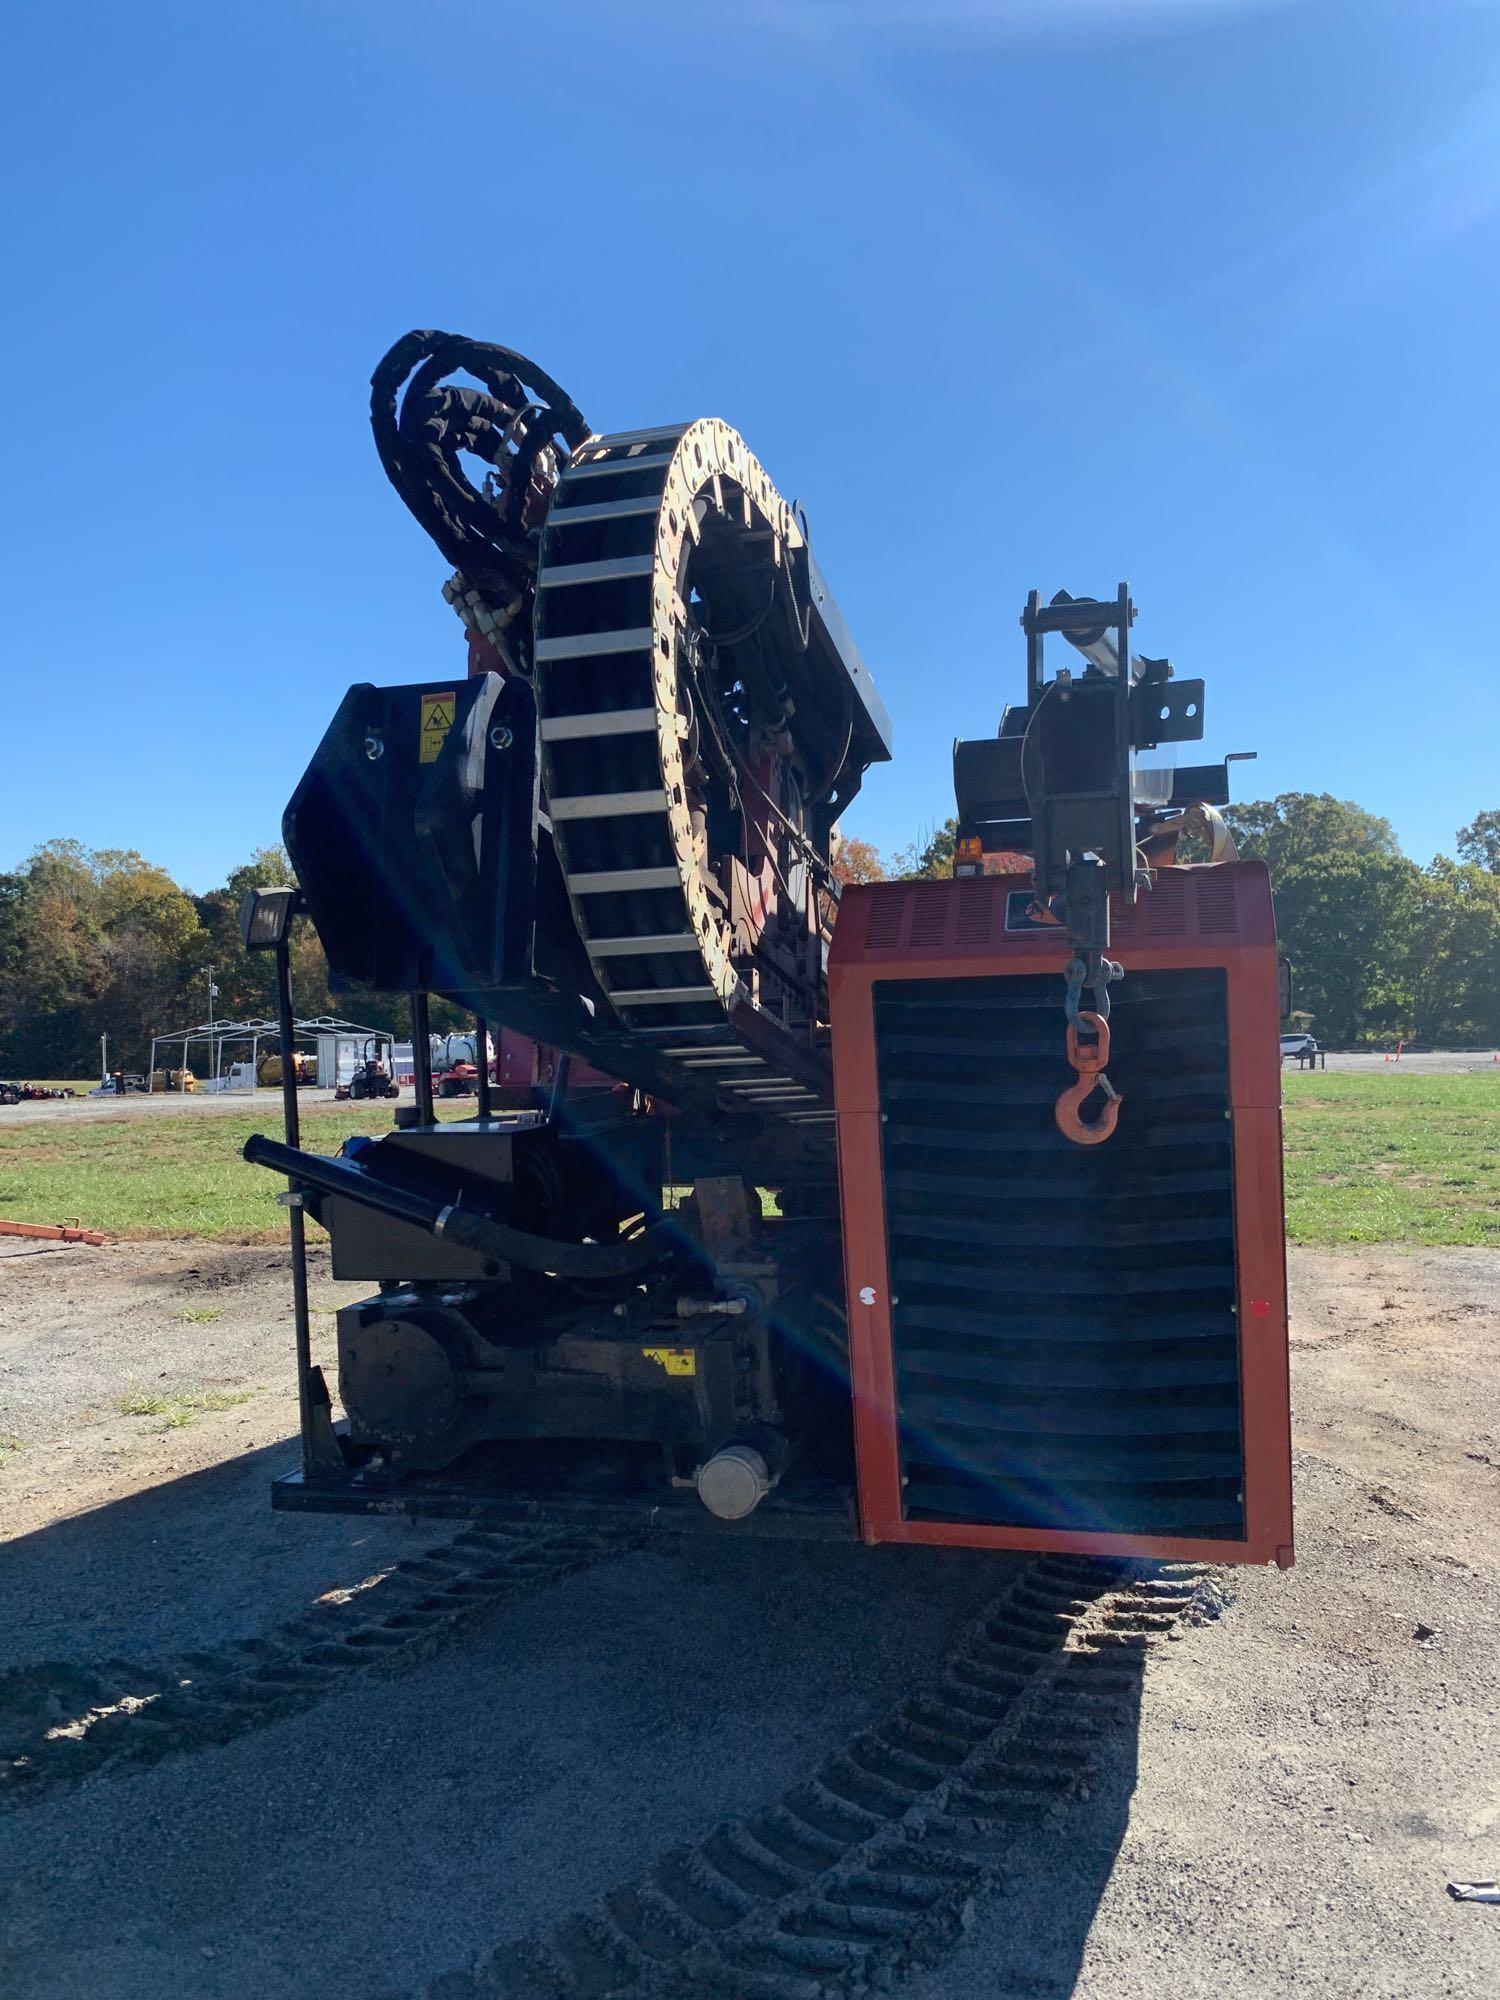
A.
pixel 943 1212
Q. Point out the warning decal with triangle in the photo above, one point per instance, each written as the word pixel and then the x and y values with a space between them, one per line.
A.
pixel 437 720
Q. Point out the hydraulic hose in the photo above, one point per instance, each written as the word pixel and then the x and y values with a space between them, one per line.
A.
pixel 453 1224
pixel 489 534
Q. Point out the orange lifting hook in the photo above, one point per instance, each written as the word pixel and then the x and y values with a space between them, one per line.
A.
pixel 1088 1058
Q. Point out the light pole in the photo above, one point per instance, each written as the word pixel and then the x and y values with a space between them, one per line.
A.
pixel 213 994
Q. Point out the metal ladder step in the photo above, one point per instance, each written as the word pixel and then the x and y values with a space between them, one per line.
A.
pixel 597 468
pixel 623 881
pixel 608 805
pixel 587 645
pixel 603 510
pixel 606 722
pixel 628 947
pixel 613 569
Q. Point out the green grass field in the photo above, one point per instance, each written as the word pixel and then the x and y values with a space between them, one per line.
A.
pixel 169 1174
pixel 1392 1159
pixel 1369 1159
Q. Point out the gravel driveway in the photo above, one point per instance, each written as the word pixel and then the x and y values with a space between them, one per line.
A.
pixel 1280 1817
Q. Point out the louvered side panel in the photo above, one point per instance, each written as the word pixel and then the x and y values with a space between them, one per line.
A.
pixel 1066 1346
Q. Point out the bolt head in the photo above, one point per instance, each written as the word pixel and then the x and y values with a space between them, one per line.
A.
pixel 501 738
pixel 374 747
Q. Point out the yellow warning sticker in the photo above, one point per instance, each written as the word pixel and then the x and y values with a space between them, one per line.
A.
pixel 676 1360
pixel 437 720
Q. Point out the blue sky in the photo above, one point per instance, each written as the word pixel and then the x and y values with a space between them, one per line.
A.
pixel 1199 293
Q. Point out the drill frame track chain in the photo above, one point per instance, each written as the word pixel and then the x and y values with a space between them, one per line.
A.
pixel 876 1862
pixel 601 683
pixel 59 1723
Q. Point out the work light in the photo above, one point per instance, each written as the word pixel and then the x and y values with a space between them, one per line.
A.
pixel 265 915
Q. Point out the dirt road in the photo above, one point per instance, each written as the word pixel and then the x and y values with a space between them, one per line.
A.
pixel 177 1104
pixel 1274 1810
pixel 150 1104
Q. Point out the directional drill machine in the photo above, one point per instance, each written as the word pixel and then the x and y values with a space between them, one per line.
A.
pixel 938 1211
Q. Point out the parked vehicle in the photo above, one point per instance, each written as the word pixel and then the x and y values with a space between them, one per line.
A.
pixel 304 1068
pixel 460 1081
pixel 372 1077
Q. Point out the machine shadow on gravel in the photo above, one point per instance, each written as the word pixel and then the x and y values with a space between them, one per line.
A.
pixel 211 1526
pixel 876 1859
pixel 996 1794
pixel 183 1614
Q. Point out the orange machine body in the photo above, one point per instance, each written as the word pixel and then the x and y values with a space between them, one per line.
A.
pixel 1058 1346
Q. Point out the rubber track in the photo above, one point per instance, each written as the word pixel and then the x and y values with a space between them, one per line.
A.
pixel 876 1862
pixel 59 1723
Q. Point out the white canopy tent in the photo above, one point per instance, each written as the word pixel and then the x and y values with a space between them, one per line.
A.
pixel 210 1038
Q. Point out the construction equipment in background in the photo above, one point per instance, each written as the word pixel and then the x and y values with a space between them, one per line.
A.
pixel 373 1075
pixel 268 1070
pixel 1035 1114
pixel 461 1079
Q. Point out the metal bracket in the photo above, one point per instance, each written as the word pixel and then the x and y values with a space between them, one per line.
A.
pixel 1163 711
pixel 324 1453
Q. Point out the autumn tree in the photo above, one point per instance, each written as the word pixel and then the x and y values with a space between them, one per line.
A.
pixel 94 941
pixel 247 979
pixel 857 861
pixel 929 860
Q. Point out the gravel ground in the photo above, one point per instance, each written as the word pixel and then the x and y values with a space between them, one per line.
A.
pixel 1308 1772
pixel 1305 1774
pixel 127 1535
pixel 153 1104
pixel 170 1104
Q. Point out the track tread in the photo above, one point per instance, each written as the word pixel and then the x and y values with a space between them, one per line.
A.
pixel 59 1723
pixel 877 1857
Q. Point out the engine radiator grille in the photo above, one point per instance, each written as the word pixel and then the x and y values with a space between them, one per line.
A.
pixel 1065 1341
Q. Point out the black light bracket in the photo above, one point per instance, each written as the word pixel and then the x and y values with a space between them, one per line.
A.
pixel 266 916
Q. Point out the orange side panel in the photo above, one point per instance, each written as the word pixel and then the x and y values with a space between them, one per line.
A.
pixel 1195 919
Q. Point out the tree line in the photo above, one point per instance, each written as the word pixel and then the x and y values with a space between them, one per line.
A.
pixel 101 941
